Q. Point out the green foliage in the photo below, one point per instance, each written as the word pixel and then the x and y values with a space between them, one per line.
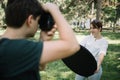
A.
pixel 79 9
pixel 110 14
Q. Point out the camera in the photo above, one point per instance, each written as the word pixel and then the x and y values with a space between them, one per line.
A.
pixel 46 22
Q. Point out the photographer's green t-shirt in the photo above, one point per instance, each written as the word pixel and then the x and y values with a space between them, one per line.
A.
pixel 19 59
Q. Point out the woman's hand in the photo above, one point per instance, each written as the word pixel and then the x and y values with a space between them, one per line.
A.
pixel 98 68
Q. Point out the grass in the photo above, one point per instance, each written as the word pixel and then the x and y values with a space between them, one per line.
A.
pixel 111 64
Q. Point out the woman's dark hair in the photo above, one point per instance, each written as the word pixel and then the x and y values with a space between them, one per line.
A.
pixel 97 24
pixel 17 11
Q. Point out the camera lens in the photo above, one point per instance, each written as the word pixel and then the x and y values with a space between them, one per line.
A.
pixel 46 22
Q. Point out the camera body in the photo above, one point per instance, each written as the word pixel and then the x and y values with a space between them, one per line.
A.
pixel 46 22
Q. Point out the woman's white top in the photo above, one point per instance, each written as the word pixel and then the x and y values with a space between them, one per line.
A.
pixel 95 46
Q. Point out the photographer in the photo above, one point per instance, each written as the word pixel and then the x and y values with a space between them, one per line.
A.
pixel 20 58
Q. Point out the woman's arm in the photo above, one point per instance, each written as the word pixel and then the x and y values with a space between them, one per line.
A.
pixel 100 60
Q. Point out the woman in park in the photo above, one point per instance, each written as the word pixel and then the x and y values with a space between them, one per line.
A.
pixel 97 45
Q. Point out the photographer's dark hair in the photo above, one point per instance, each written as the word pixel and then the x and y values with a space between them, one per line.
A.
pixel 97 24
pixel 17 11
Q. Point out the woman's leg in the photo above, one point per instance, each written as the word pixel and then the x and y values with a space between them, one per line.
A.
pixel 79 77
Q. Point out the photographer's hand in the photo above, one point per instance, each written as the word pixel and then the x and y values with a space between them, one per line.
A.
pixel 46 36
pixel 50 6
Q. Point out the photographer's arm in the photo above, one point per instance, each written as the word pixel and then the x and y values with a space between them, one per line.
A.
pixel 67 43
pixel 46 36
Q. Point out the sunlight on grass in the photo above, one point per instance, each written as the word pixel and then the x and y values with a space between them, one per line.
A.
pixel 66 74
pixel 56 75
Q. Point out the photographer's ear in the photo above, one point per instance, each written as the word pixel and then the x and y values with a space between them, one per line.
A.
pixel 29 20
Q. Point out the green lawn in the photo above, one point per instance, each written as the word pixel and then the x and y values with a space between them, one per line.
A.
pixel 111 64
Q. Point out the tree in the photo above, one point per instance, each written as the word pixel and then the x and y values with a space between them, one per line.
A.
pixel 118 9
pixel 98 12
pixel 80 10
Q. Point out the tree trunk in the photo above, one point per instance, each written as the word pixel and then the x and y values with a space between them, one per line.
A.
pixel 98 12
pixel 116 16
